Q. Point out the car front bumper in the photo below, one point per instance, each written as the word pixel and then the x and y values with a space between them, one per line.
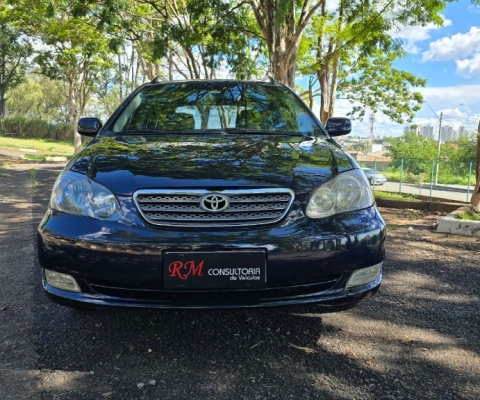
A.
pixel 220 299
pixel 379 181
pixel 121 264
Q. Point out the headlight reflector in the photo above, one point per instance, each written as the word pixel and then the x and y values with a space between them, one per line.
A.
pixel 75 193
pixel 348 191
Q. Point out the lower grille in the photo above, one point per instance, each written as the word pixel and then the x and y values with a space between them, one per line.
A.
pixel 129 291
pixel 229 207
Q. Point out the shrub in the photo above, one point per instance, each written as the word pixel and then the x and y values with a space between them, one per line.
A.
pixel 35 129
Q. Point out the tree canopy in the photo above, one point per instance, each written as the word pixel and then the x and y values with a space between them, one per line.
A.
pixel 14 52
pixel 102 49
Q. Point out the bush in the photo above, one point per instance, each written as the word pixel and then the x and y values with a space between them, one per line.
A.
pixel 35 129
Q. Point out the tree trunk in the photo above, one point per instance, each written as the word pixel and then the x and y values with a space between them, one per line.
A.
pixel 475 200
pixel 323 81
pixel 283 37
pixel 73 115
pixel 323 75
pixel 310 93
pixel 3 106
pixel 335 62
pixel 333 85
pixel 120 78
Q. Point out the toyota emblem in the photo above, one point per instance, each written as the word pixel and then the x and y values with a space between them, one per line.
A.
pixel 214 202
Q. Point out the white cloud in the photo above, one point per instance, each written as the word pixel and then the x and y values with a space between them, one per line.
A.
pixel 469 68
pixel 444 100
pixel 472 9
pixel 458 46
pixel 447 100
pixel 413 34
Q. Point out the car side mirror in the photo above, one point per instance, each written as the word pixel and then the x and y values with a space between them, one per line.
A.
pixel 89 126
pixel 338 126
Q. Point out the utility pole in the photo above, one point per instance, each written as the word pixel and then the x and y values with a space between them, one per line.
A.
pixel 372 129
pixel 438 146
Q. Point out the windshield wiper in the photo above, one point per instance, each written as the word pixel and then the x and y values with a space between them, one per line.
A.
pixel 140 130
pixel 249 131
pixel 148 131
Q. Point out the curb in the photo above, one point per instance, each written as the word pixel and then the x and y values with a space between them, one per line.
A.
pixel 451 224
pixel 431 206
pixel 448 224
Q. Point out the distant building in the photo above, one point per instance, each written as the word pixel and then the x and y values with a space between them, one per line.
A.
pixel 377 148
pixel 426 131
pixel 448 134
pixel 411 128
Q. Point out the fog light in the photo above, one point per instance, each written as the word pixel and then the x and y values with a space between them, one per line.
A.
pixel 61 281
pixel 365 275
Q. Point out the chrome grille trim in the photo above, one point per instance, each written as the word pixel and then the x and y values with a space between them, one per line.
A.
pixel 181 208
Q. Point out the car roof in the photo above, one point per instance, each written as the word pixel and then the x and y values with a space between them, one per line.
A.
pixel 266 82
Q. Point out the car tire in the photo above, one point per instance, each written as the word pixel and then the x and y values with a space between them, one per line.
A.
pixel 372 181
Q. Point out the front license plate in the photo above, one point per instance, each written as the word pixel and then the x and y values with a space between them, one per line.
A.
pixel 215 270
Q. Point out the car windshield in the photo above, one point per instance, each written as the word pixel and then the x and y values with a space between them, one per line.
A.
pixel 214 107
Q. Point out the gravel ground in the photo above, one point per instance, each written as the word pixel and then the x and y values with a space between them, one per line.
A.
pixel 418 338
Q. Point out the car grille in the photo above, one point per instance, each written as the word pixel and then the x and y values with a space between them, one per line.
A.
pixel 243 207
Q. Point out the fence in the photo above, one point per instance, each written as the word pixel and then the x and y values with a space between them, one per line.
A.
pixel 447 180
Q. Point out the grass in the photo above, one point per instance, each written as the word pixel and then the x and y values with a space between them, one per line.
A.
pixel 33 177
pixel 50 147
pixel 443 178
pixel 34 156
pixel 392 227
pixel 469 215
pixel 393 196
pixel 4 168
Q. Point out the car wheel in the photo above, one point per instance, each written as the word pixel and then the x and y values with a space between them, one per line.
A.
pixel 372 181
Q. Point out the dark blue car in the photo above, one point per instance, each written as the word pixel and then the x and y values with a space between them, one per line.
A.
pixel 211 194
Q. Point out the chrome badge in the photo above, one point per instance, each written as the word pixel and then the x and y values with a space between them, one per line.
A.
pixel 214 202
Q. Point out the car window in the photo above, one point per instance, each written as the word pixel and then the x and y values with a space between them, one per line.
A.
pixel 201 106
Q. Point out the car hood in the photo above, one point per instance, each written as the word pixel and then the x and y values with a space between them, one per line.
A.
pixel 125 164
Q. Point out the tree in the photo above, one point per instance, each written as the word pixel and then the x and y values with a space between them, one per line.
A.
pixel 376 85
pixel 345 47
pixel 201 37
pixel 414 152
pixel 73 49
pixel 349 53
pixel 14 51
pixel 282 23
pixel 39 97
pixel 475 200
pixel 192 39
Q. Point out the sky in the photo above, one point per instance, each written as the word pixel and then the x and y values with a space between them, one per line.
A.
pixel 449 58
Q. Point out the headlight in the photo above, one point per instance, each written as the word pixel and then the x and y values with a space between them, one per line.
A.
pixel 75 193
pixel 346 192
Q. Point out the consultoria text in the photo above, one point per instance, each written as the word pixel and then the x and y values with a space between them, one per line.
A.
pixel 240 274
